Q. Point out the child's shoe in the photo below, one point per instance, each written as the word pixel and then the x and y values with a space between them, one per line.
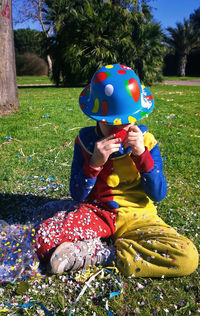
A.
pixel 70 256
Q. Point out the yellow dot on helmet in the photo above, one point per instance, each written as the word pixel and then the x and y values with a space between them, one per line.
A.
pixel 132 119
pixel 113 180
pixel 96 106
pixel 109 66
pixel 117 121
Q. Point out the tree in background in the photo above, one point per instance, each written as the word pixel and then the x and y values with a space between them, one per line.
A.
pixel 183 39
pixel 90 34
pixel 31 52
pixel 36 10
pixel 8 85
pixel 147 40
pixel 101 36
pixel 83 35
pixel 195 19
pixel 31 41
pixel 193 60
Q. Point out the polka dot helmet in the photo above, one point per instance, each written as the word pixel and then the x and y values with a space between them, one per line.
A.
pixel 116 96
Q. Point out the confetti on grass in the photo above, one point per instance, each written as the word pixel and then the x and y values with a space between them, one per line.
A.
pixel 39 184
pixel 27 305
pixel 101 284
pixel 46 115
pixel 8 140
pixel 18 258
pixel 92 278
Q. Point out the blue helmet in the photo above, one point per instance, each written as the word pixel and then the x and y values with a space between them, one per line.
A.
pixel 116 96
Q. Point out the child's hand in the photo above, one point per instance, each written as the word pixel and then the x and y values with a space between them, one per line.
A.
pixel 134 138
pixel 103 149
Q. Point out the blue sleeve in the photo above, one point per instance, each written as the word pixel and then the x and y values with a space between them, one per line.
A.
pixel 154 182
pixel 80 184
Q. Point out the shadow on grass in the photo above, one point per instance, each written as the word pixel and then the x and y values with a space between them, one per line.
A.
pixel 29 85
pixel 21 209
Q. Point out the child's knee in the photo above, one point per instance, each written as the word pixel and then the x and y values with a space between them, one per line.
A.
pixel 133 259
pixel 188 261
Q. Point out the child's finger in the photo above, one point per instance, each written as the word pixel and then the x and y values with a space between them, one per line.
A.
pixel 127 144
pixel 114 149
pixel 112 146
pixel 112 136
pixel 114 141
pixel 133 134
pixel 134 128
pixel 130 139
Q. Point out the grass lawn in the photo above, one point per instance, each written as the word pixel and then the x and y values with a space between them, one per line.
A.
pixel 36 151
pixel 180 78
pixel 46 80
pixel 33 79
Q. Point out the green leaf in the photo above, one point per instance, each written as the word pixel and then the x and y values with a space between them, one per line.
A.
pixel 61 300
pixel 22 287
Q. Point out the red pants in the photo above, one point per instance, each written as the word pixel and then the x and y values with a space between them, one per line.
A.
pixel 86 222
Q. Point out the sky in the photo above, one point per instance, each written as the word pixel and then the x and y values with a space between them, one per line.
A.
pixel 167 12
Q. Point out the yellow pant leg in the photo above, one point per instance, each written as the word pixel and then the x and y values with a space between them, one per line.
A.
pixel 148 247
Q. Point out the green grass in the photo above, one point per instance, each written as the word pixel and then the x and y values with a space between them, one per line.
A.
pixel 46 80
pixel 33 80
pixel 42 132
pixel 180 78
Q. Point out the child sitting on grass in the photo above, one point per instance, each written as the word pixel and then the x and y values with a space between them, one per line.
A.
pixel 116 176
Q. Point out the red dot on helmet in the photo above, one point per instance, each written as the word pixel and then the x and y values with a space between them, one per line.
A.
pixel 101 76
pixel 104 108
pixel 121 72
pixel 134 89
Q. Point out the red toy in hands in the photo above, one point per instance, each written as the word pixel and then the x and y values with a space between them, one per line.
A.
pixel 119 133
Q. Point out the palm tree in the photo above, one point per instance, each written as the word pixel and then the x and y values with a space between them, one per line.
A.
pixel 95 32
pixel 8 86
pixel 149 49
pixel 195 19
pixel 102 35
pixel 182 39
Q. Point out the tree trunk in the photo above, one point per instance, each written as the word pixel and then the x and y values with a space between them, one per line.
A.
pixel 50 67
pixel 8 85
pixel 182 65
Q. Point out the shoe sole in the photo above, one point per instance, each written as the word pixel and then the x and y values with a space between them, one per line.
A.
pixel 69 256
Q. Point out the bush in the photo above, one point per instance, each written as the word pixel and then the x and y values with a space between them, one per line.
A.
pixel 29 64
pixel 105 33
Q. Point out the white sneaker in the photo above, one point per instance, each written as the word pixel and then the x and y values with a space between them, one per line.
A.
pixel 70 256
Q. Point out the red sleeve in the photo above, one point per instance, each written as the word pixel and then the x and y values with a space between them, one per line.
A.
pixel 88 170
pixel 144 162
pixel 91 171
